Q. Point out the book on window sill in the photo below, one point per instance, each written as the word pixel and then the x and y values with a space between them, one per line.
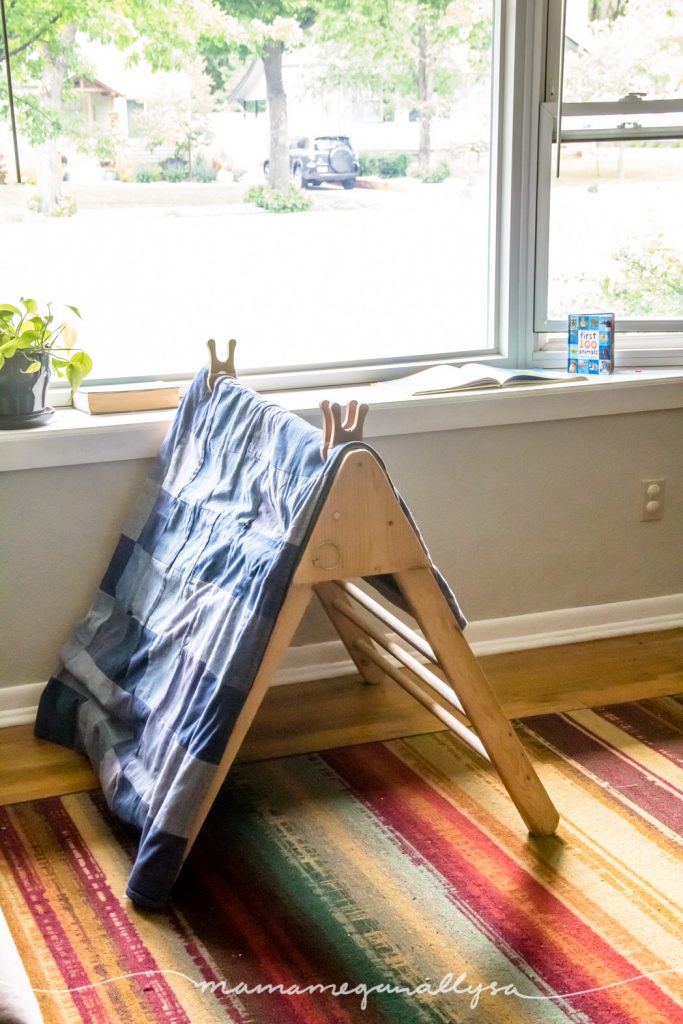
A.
pixel 102 398
pixel 444 378
pixel 591 343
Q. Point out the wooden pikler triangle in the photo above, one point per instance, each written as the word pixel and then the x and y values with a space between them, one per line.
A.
pixel 361 530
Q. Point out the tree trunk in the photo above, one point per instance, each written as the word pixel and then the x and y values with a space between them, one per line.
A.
pixel 278 171
pixel 50 97
pixel 425 91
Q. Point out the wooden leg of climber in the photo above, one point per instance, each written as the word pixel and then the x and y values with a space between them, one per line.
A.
pixel 291 613
pixel 469 682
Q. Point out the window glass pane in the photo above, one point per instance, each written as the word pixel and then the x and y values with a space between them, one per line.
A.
pixel 614 47
pixel 616 230
pixel 163 252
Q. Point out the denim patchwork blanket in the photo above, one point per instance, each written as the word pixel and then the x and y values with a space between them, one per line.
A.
pixel 152 680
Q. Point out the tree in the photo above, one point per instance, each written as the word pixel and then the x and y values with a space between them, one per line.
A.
pixel 418 50
pixel 265 30
pixel 43 46
pixel 626 46
pixel 180 117
pixel 649 280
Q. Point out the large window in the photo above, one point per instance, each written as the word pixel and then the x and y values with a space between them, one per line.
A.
pixel 160 251
pixel 459 238
pixel 609 229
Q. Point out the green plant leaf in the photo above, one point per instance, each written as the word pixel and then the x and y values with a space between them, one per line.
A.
pixel 30 304
pixel 2 360
pixel 7 308
pixel 8 348
pixel 32 367
pixel 59 363
pixel 74 310
pixel 79 366
pixel 28 338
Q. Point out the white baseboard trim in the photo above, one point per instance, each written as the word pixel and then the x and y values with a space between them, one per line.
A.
pixel 487 636
pixel 18 703
pixel 575 625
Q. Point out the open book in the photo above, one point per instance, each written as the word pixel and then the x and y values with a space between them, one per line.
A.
pixel 441 379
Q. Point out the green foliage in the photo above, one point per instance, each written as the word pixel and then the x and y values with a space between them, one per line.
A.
pixel 222 59
pixel 435 176
pixel 174 175
pixel 66 207
pixel 650 282
pixel 267 18
pixel 26 332
pixel 105 147
pixel 368 164
pixel 180 118
pixel 143 177
pixel 275 201
pixel 203 171
pixel 380 49
pixel 36 122
pixel 388 165
pixel 162 33
pixel 393 166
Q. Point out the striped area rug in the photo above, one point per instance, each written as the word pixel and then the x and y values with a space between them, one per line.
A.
pixel 385 883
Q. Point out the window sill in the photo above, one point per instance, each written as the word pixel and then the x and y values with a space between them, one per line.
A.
pixel 73 438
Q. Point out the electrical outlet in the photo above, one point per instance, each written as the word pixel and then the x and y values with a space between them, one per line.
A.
pixel 651 499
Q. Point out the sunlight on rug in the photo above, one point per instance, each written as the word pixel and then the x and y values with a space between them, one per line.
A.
pixel 390 882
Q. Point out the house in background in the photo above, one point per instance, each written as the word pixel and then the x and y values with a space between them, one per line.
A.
pixel 109 107
pixel 374 124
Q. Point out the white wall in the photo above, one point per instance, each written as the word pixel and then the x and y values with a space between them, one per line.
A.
pixel 520 518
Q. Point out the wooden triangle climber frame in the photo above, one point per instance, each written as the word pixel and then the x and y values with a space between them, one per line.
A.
pixel 361 531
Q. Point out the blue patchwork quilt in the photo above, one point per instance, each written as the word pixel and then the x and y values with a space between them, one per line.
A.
pixel 152 680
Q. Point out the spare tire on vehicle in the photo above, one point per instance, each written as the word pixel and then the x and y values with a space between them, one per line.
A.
pixel 341 160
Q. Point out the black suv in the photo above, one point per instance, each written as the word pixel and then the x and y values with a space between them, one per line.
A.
pixel 324 158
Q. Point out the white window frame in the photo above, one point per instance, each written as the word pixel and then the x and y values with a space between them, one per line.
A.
pixel 524 89
pixel 639 342
pixel 522 67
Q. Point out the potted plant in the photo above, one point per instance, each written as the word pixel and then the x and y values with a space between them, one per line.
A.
pixel 29 352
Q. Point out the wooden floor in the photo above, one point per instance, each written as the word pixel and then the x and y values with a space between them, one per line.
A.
pixel 339 712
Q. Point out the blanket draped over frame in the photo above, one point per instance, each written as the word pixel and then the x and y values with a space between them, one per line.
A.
pixel 153 679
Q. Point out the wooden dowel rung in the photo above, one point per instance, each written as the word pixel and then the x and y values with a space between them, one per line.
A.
pixel 454 724
pixel 392 621
pixel 347 609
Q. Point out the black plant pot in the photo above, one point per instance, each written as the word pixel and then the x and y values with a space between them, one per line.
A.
pixel 23 395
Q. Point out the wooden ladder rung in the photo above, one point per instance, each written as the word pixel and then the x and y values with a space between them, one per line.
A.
pixel 424 674
pixel 454 724
pixel 392 621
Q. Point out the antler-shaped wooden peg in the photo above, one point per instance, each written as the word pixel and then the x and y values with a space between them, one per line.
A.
pixel 219 367
pixel 336 433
